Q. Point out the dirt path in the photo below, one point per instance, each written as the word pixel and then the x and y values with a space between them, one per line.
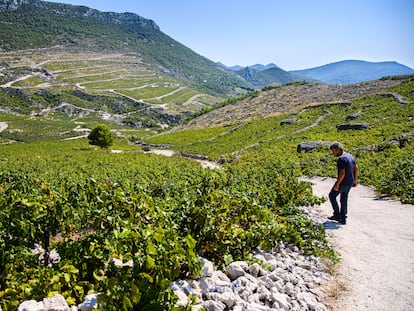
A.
pixel 10 83
pixel 377 249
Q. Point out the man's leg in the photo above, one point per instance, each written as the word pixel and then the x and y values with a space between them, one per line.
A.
pixel 344 190
pixel 332 197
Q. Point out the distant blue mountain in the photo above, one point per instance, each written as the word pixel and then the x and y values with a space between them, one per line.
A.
pixel 261 67
pixel 354 71
pixel 258 67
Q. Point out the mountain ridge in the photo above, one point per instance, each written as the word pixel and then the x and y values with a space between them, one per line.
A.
pixel 38 24
pixel 354 71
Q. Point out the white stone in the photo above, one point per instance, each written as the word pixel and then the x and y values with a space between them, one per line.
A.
pixel 307 300
pixel 206 284
pixel 280 286
pixel 234 270
pixel 245 293
pixel 220 279
pixel 254 269
pixel 31 305
pixel 211 305
pixel 182 298
pixel 282 299
pixel 243 264
pixel 208 268
pixel 257 307
pixel 254 298
pixel 264 293
pixel 116 262
pixel 229 299
pixel 56 303
pixel 89 303
pixel 128 264
pixel 198 307
pixel 289 289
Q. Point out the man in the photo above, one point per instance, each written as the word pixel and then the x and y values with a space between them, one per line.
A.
pixel 347 178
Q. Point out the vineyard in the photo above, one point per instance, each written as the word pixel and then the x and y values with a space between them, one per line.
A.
pixel 93 206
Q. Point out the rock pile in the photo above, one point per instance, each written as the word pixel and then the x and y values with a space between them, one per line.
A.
pixel 291 281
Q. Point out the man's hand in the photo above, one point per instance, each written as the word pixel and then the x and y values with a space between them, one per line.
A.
pixel 336 187
pixel 354 184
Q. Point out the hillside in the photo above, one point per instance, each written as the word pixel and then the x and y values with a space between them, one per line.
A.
pixel 354 71
pixel 267 76
pixel 374 120
pixel 30 24
pixel 289 98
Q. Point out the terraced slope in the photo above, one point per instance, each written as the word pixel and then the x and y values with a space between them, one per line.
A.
pixel 115 87
pixel 287 99
pixel 40 24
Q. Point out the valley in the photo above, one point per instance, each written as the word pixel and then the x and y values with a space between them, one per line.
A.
pixel 202 196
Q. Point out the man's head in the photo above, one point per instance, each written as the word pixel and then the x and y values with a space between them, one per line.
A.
pixel 337 149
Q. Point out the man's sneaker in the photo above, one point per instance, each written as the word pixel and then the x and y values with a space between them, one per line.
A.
pixel 335 218
pixel 342 221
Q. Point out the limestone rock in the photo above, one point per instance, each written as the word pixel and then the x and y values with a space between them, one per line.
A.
pixel 282 300
pixel 311 145
pixel 288 121
pixel 353 116
pixel 208 268
pixel 31 305
pixel 56 303
pixel 235 270
pixel 211 305
pixel 89 303
pixel 353 126
pixel 255 269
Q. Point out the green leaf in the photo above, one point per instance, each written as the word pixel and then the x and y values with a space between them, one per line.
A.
pixel 191 243
pixel 149 263
pixel 99 275
pixel 151 250
pixel 136 295
pixel 127 303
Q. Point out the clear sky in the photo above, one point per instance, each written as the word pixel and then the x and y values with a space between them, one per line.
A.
pixel 293 34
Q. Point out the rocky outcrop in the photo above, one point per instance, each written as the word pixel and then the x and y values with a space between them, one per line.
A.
pixel 194 156
pixel 353 126
pixel 288 121
pixel 291 281
pixel 396 96
pixel 312 145
pixel 353 116
pixel 12 5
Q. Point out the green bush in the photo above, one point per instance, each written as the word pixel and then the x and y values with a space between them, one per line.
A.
pixel 101 136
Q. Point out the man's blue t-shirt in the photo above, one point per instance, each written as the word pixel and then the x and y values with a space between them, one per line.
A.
pixel 347 162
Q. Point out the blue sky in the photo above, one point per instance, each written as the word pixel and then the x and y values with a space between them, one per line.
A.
pixel 294 34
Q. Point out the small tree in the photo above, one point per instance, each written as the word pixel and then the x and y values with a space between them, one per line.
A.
pixel 101 136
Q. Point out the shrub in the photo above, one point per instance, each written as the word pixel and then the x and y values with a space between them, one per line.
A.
pixel 101 136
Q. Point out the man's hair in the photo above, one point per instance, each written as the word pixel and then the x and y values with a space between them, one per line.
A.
pixel 337 145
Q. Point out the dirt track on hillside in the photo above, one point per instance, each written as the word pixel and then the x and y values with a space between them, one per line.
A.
pixel 377 250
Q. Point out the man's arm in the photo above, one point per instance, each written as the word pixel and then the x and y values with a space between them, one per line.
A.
pixel 341 176
pixel 356 173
